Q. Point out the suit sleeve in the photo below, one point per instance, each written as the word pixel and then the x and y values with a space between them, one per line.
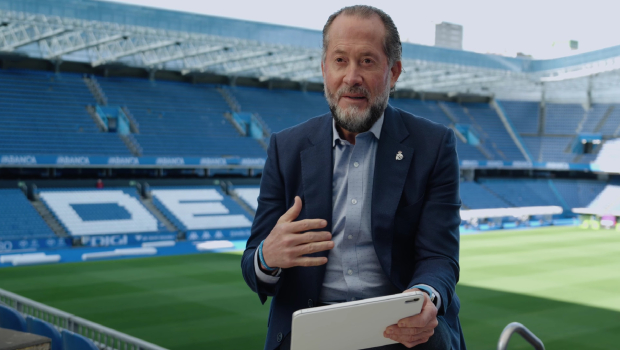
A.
pixel 437 236
pixel 271 205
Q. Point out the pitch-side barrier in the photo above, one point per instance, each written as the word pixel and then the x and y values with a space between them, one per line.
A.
pixel 105 338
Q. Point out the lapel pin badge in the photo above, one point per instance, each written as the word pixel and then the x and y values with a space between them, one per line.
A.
pixel 399 155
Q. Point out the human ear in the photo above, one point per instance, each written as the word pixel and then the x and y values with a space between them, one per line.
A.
pixel 396 69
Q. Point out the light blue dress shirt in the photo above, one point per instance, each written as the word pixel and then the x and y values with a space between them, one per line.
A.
pixel 353 270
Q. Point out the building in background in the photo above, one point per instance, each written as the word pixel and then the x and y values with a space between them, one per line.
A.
pixel 449 35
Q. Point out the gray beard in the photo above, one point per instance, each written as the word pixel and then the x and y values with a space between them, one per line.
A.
pixel 354 119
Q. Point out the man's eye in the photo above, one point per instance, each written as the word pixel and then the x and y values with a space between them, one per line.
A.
pixel 339 60
pixel 367 61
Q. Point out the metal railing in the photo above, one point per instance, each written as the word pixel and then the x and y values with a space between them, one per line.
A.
pixel 105 338
pixel 516 327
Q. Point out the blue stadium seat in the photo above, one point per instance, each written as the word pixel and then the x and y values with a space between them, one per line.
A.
pixel 180 119
pixel 281 109
pixel 579 193
pixel 55 120
pixel 523 115
pixel 12 319
pixel 612 123
pixel 45 329
pixel 475 196
pixel 200 208
pixel 19 219
pixel 523 192
pixel 74 341
pixel 563 119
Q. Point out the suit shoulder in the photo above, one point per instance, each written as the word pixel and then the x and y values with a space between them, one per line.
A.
pixel 303 129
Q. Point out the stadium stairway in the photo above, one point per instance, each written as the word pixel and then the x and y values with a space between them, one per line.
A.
pixel 148 203
pixel 230 191
pixel 49 218
pixel 99 95
pixel 499 110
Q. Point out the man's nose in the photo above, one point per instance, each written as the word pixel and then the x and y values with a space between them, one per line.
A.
pixel 353 76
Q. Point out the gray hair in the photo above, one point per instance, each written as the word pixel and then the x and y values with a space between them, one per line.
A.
pixel 391 44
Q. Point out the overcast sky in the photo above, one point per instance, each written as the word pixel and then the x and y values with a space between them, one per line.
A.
pixel 540 28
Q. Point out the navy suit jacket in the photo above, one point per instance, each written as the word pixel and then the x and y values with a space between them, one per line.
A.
pixel 415 212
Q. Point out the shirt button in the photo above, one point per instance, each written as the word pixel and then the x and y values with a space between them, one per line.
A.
pixel 354 201
pixel 350 236
pixel 356 164
pixel 310 303
pixel 350 272
pixel 279 338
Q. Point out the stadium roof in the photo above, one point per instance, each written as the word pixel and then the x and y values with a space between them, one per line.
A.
pixel 102 33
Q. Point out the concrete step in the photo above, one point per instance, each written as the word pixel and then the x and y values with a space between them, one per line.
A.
pixel 148 203
pixel 49 218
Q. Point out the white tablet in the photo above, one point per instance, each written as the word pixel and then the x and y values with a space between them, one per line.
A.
pixel 352 325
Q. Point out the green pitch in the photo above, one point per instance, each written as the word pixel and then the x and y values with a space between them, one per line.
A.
pixel 563 283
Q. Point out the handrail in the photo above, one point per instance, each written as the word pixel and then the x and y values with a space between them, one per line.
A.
pixel 104 337
pixel 516 327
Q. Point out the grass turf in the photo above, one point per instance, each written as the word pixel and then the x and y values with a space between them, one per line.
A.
pixel 560 282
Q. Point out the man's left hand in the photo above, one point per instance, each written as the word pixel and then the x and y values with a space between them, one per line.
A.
pixel 414 330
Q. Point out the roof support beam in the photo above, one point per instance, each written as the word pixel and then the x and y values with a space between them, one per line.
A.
pixel 224 59
pixel 176 53
pixel 75 41
pixel 115 50
pixel 277 61
pixel 283 71
pixel 21 35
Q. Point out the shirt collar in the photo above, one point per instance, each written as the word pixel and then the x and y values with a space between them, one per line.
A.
pixel 375 130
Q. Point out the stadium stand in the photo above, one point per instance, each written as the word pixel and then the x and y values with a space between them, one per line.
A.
pixel 524 115
pixel 11 319
pixel 475 196
pixel 550 148
pixel 179 119
pixel 40 327
pixel 187 120
pixel 200 208
pixel 494 131
pixel 562 119
pixel 493 135
pixel 593 117
pixel 19 219
pixel 280 109
pixel 611 126
pixel 556 149
pixel 524 192
pixel 44 113
pixel 103 211
pixel 578 193
pixel 249 194
pixel 431 110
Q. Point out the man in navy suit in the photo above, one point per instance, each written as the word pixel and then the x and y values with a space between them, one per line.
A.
pixel 361 202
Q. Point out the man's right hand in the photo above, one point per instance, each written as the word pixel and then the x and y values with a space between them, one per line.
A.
pixel 289 240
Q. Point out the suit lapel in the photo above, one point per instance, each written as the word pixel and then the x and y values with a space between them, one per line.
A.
pixel 389 179
pixel 316 175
